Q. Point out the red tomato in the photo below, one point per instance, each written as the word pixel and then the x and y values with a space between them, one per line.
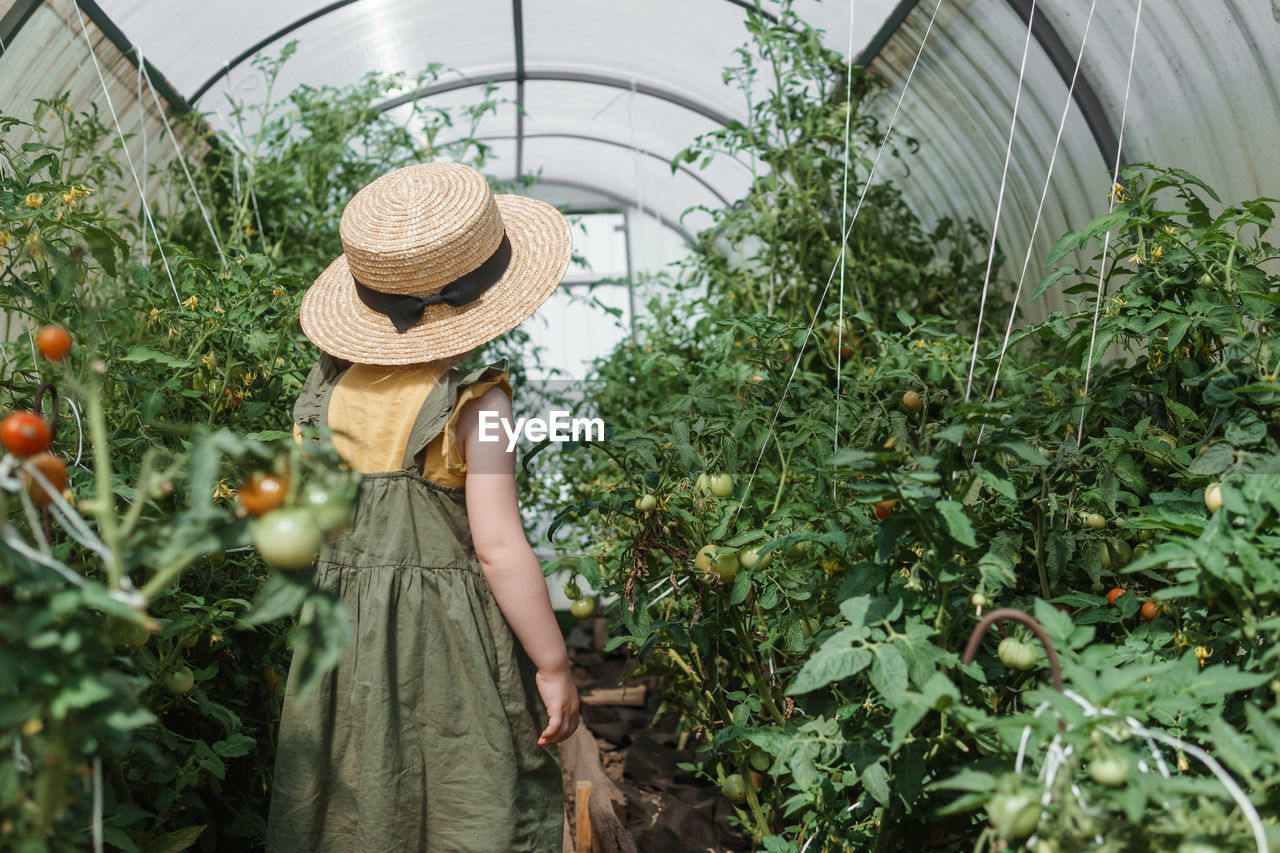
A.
pixel 1114 594
pixel 54 342
pixel 1150 610
pixel 911 401
pixel 883 508
pixel 25 434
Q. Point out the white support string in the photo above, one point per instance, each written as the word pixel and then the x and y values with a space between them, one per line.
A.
pixel 844 240
pixel 844 245
pixel 146 208
pixel 182 160
pixel 142 130
pixel 995 228
pixel 1106 243
pixel 1044 194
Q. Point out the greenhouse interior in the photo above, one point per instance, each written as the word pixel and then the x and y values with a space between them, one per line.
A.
pixel 827 425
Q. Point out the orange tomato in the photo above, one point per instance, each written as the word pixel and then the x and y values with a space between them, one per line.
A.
pixel 54 342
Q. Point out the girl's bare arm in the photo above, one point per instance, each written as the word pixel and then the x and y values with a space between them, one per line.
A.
pixel 509 564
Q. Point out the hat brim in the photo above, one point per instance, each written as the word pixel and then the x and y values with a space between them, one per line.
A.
pixel 336 320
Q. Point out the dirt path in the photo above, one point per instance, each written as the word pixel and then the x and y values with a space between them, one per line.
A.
pixel 667 809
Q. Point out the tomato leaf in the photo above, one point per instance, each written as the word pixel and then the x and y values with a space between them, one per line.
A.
pixel 835 660
pixel 957 523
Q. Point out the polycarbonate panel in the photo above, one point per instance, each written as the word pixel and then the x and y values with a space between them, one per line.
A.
pixel 51 56
pixel 191 41
pixel 960 107
pixel 1204 98
pixel 472 41
pixel 642 181
pixel 676 45
pixel 630 120
pixel 833 18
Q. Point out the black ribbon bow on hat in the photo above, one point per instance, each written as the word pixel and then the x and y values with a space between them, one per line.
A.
pixel 406 311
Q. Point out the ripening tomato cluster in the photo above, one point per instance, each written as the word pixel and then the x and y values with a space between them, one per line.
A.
pixel 289 536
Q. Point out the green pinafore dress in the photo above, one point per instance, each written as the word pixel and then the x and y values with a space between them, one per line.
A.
pixel 424 736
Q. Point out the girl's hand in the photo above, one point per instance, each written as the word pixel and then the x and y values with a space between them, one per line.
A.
pixel 560 695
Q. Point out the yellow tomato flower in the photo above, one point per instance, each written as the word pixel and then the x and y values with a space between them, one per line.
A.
pixel 1203 654
pixel 34 200
pixel 191 303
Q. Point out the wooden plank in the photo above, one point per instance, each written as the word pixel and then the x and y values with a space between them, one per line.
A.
pixel 607 807
pixel 582 814
pixel 631 695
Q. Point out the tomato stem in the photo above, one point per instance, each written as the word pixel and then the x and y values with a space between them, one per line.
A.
pixel 104 506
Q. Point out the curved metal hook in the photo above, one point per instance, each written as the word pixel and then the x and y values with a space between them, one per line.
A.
pixel 980 630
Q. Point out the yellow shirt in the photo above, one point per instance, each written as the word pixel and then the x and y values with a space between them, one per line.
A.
pixel 372 409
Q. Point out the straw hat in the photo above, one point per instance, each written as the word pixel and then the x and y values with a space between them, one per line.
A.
pixel 433 265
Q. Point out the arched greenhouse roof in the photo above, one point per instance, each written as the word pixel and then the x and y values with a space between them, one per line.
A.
pixel 598 96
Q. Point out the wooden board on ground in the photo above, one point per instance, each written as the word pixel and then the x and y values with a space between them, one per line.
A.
pixel 632 695
pixel 607 806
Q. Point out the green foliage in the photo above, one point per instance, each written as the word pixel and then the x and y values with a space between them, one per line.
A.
pixel 172 351
pixel 835 664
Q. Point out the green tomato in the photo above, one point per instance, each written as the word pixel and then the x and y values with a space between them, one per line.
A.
pixel 179 680
pixel 703 485
pixel 725 564
pixel 583 608
pixel 797 549
pixel 189 640
pixel 1118 552
pixel 1213 497
pixel 287 538
pixel 734 788
pixel 1142 549
pixel 750 558
pixel 646 503
pixel 978 600
pixel 1015 815
pixel 760 761
pixel 571 591
pixel 1094 520
pixel 721 485
pixel 1016 654
pixel 1110 770
pixel 330 511
pixel 127 633
pixel 702 562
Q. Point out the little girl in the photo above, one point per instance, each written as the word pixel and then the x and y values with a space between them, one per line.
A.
pixel 436 729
